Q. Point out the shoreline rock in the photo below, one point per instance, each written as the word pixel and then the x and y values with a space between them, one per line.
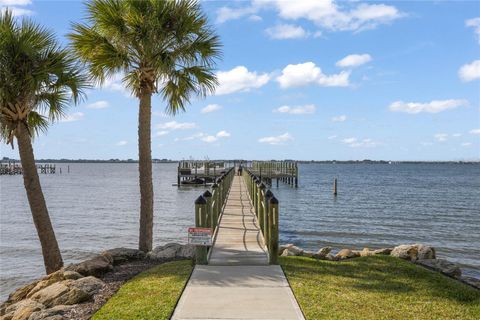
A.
pixel 413 252
pixel 58 294
pixel 419 254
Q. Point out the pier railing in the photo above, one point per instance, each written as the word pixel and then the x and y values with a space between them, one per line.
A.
pixel 266 210
pixel 208 210
pixel 268 171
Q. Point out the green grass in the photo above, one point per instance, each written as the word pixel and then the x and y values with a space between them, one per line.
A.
pixel 377 287
pixel 152 294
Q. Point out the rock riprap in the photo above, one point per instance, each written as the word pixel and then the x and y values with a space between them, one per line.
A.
pixel 61 288
pixel 441 265
pixel 50 297
pixel 413 252
pixel 172 251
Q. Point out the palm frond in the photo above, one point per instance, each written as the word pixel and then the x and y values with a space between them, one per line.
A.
pixel 39 80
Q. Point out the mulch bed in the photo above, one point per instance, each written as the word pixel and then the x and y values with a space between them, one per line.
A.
pixel 114 280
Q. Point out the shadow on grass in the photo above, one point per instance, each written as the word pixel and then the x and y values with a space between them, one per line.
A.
pixel 382 274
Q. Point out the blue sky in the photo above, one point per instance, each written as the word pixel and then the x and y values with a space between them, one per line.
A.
pixel 300 80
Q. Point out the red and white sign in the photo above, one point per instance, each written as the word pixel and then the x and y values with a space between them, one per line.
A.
pixel 200 236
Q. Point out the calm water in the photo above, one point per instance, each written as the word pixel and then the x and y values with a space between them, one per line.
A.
pixel 95 207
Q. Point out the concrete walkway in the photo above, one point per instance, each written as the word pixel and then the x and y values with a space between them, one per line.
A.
pixel 238 283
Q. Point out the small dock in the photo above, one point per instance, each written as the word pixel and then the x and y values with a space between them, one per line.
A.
pixel 206 172
pixel 279 171
pixel 201 172
pixel 14 168
pixel 241 279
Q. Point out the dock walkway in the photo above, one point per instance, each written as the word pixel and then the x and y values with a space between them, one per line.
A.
pixel 238 283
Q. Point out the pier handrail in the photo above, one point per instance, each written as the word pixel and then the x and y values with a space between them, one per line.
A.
pixel 208 210
pixel 286 171
pixel 266 209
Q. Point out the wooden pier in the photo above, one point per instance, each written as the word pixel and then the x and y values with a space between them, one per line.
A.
pixel 269 171
pixel 238 277
pixel 206 172
pixel 14 168
pixel 191 172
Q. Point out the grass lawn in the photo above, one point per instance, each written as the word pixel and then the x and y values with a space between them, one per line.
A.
pixel 377 287
pixel 152 294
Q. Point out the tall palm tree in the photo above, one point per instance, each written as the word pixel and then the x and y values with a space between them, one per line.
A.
pixel 164 47
pixel 38 80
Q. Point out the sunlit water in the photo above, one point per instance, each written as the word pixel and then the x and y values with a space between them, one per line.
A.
pixel 95 207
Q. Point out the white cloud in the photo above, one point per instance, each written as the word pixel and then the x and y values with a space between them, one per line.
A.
pixel 364 143
pixel 306 109
pixel 239 79
pixel 225 13
pixel 206 137
pixel 73 117
pixel 286 31
pixel 219 135
pixel 115 84
pixel 174 125
pixel 102 104
pixel 470 71
pixel 277 140
pixel 255 18
pixel 434 106
pixel 332 137
pixel 475 24
pixel 296 75
pixel 339 118
pixel 121 143
pixel 223 134
pixel 192 137
pixel 349 140
pixel 456 135
pixel 209 139
pixel 475 131
pixel 211 108
pixel 327 14
pixel 441 137
pixel 14 7
pixel 161 133
pixel 354 60
pixel 466 144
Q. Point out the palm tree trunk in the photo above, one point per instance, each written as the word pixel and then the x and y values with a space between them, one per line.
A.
pixel 145 171
pixel 52 257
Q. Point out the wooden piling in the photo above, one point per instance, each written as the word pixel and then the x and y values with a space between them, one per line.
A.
pixel 335 186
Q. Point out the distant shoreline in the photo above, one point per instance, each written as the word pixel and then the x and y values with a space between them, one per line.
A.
pixel 7 160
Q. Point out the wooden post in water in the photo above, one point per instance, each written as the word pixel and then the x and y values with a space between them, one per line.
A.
pixel 335 186
pixel 273 232
pixel 296 175
pixel 200 217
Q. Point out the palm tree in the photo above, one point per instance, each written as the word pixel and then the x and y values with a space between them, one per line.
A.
pixel 164 47
pixel 38 79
